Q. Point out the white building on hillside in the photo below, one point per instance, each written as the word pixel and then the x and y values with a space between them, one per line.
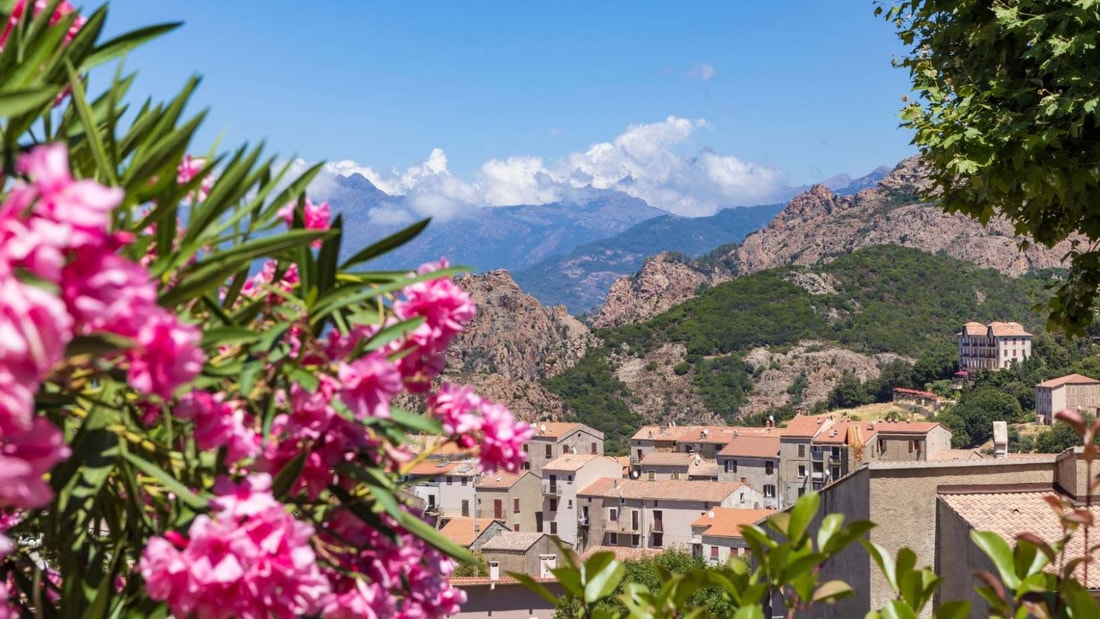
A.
pixel 995 346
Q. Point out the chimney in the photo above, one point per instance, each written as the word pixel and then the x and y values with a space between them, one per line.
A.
pixel 494 571
pixel 1000 439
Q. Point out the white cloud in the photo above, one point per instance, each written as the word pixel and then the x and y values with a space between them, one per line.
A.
pixel 702 71
pixel 645 161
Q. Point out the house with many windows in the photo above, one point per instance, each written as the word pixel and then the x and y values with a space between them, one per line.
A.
pixel 513 498
pixel 754 460
pixel 656 514
pixel 992 346
pixel 562 514
pixel 446 487
pixel 552 439
pixel 1076 392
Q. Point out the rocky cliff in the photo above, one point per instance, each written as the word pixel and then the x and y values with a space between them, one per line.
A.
pixel 513 335
pixel 817 226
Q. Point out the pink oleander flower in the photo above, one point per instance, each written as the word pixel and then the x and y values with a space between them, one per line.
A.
pixel 35 328
pixel 445 307
pixel 457 408
pixel 502 439
pixel 188 169
pixel 106 292
pixel 24 458
pixel 35 244
pixel 63 10
pixel 166 355
pixel 369 384
pixel 17 391
pixel 314 217
pixel 218 424
pixel 265 279
pixel 250 558
pixel 355 598
pixel 85 205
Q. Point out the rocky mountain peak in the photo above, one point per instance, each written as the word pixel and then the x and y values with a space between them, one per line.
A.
pixel 662 282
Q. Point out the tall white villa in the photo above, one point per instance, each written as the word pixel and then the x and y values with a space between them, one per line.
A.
pixel 994 346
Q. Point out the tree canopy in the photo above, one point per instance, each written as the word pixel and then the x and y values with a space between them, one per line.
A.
pixel 1006 116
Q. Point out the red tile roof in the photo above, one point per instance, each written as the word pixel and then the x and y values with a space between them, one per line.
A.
pixel 463 531
pixel 500 479
pixel 805 426
pixel 752 447
pixel 672 490
pixel 1002 329
pixel 727 521
pixel 432 468
pixel 905 427
pixel 668 458
pixel 1070 379
pixel 699 434
pixel 558 429
pixel 917 393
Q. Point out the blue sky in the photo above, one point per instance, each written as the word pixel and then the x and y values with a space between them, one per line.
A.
pixel 782 92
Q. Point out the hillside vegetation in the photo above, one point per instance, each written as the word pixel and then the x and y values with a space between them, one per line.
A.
pixel 875 300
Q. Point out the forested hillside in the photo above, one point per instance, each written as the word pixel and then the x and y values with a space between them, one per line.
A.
pixel 883 299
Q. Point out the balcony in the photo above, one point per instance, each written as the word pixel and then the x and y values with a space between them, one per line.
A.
pixel 551 489
pixel 582 522
pixel 817 454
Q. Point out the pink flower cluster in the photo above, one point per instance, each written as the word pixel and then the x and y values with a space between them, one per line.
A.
pixel 219 424
pixel 405 576
pixel 474 421
pixel 55 230
pixel 188 169
pixel 250 559
pixel 63 10
pixel 314 217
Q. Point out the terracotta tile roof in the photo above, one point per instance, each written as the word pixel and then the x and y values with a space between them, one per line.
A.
pixel 1011 513
pixel 668 458
pixel 512 540
pixel 752 447
pixel 699 434
pixel 432 468
pixel 624 461
pixel 917 393
pixel 463 531
pixel 805 426
pixel 704 468
pixel 623 553
pixel 672 490
pixel 558 429
pixel 727 521
pixel 1069 379
pixel 570 462
pixel 500 479
pixel 836 434
pixel 905 427
pixel 1003 329
pixel 958 454
pixel 974 328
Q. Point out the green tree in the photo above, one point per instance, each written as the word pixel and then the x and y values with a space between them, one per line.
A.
pixel 1007 119
pixel 849 393
pixel 979 409
pixel 1057 439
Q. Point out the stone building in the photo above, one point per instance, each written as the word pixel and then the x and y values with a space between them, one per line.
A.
pixel 1074 391
pixel 754 460
pixel 553 439
pixel 718 532
pixel 513 498
pixel 561 513
pixel 528 553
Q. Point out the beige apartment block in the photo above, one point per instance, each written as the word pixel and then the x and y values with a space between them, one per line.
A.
pixel 1075 392
pixel 553 439
pixel 706 441
pixel 513 498
pixel 754 460
pixel 655 514
pixel 794 456
pixel 719 533
pixel 911 440
pixel 561 514
pixel 992 346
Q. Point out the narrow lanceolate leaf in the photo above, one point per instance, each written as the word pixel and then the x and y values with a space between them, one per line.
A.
pixel 122 44
pixel 170 483
pixel 15 102
pixel 534 586
pixel 91 129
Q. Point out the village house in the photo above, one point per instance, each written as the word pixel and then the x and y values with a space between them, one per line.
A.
pixel 754 460
pixel 656 514
pixel 915 398
pixel 706 441
pixel 561 514
pixel 994 346
pixel 718 532
pixel 528 553
pixel 472 532
pixel 552 439
pixel 1076 392
pixel 502 597
pixel 445 486
pixel 910 440
pixel 794 456
pixel 513 498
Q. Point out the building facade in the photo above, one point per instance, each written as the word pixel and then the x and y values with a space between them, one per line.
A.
pixel 562 515
pixel 446 487
pixel 512 498
pixel 1074 391
pixel 718 532
pixel 753 460
pixel 553 439
pixel 994 346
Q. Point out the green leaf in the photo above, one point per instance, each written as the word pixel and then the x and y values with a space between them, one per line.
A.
pixel 534 586
pixel 749 612
pixel 957 609
pixel 183 493
pixel 416 421
pixel 15 102
pixel 385 245
pixel 832 591
pixel 802 513
pixel 605 579
pixel 284 482
pixel 998 550
pixel 122 44
pixel 91 128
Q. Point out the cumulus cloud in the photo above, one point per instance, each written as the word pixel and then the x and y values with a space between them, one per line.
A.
pixel 702 71
pixel 645 161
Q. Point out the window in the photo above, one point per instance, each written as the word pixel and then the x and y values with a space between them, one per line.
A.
pixel 525 448
pixel 553 527
pixel 613 539
pixel 658 540
pixel 570 506
pixel 731 466
pixel 801 451
pixel 769 490
pixel 651 475
pixel 450 480
pixel 836 452
pixel 613 514
pixel 515 506
pixel 465 480
pixel 526 464
pixel 911 443
pixel 835 471
pixel 714 553
pixel 553 505
pixel 593 448
pixel 635 540
pixel 769 468
pixel 676 474
pixel 549 451
pixel 515 527
pixel 801 471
